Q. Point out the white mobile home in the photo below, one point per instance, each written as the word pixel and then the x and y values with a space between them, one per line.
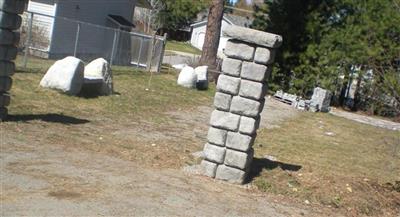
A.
pixel 56 22
pixel 199 30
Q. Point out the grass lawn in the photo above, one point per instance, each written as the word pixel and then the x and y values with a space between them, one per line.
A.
pixel 131 100
pixel 322 159
pixel 331 161
pixel 182 47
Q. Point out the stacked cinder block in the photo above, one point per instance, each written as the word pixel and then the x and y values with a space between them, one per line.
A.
pixel 239 100
pixel 10 22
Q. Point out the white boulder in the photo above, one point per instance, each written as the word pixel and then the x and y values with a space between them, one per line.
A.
pixel 187 77
pixel 202 78
pixel 65 75
pixel 99 72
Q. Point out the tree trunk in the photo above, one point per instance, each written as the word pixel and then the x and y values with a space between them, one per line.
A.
pixel 211 42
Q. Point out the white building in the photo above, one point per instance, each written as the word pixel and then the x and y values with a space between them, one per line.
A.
pixel 55 28
pixel 199 30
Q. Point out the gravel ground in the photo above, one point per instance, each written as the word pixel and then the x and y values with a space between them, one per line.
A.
pixel 366 119
pixel 41 176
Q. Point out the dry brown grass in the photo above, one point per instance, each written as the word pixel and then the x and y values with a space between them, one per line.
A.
pixel 347 170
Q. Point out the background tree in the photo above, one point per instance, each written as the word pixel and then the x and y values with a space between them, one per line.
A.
pixel 178 14
pixel 211 42
pixel 325 40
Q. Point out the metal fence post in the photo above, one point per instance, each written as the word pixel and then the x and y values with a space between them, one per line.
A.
pixel 151 52
pixel 162 53
pixel 78 30
pixel 140 51
pixel 28 40
pixel 114 46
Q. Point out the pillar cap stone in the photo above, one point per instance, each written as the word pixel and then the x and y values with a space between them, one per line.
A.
pixel 253 36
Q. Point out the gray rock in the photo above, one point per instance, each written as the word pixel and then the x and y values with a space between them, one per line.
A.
pixel 217 136
pixel 246 107
pixel 9 20
pixel 321 99
pixel 251 89
pixel 238 50
pixel 225 120
pixel 65 75
pixel 228 84
pixel 238 159
pixel 4 100
pixel 230 174
pixel 252 36
pixel 8 53
pixel 264 56
pixel 231 66
pixel 248 125
pixel 7 68
pixel 208 168
pixel 254 72
pixel 214 153
pixel 222 101
pixel 13 6
pixel 99 70
pixel 5 84
pixel 239 141
pixel 8 37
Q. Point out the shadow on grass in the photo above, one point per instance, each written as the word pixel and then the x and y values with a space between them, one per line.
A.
pixel 51 118
pixel 259 164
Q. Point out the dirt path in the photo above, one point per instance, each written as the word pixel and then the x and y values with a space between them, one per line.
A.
pixel 41 176
pixel 367 120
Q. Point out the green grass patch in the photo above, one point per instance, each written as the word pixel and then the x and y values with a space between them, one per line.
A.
pixel 182 47
pixel 136 96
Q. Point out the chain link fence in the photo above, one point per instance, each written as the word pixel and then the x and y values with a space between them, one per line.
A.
pixel 53 37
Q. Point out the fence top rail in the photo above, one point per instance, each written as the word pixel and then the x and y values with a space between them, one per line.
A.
pixel 99 26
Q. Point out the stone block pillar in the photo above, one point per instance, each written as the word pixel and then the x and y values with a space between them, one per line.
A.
pixel 10 22
pixel 239 100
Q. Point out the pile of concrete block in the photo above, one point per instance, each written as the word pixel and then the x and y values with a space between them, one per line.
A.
pixel 287 98
pixel 321 100
pixel 10 21
pixel 239 100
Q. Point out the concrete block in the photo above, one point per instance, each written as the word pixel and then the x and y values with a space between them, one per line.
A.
pixel 9 20
pixel 253 36
pixel 6 68
pixel 231 66
pixel 230 174
pixel 253 71
pixel 225 120
pixel 214 153
pixel 264 56
pixel 216 136
pixel 8 37
pixel 228 84
pixel 222 101
pixel 3 113
pixel 244 106
pixel 251 89
pixel 208 168
pixel 238 159
pixel 239 141
pixel 8 53
pixel 13 6
pixel 248 125
pixel 239 50
pixel 4 100
pixel 5 84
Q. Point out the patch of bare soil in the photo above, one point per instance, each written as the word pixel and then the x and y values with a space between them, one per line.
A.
pixel 100 167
